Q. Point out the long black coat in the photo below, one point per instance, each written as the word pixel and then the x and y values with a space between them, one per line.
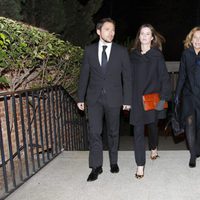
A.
pixel 150 75
pixel 188 85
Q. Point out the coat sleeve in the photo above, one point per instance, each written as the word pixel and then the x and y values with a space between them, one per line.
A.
pixel 126 79
pixel 165 91
pixel 84 77
pixel 181 76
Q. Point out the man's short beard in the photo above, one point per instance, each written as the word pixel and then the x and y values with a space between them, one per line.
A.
pixel 106 41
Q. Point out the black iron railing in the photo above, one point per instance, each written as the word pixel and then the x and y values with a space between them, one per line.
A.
pixel 35 126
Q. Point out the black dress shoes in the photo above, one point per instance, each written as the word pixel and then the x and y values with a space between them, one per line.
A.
pixel 114 168
pixel 94 174
pixel 192 163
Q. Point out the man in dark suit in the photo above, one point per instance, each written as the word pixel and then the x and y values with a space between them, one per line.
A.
pixel 105 80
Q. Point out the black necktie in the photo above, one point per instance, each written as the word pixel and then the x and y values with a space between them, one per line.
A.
pixel 104 58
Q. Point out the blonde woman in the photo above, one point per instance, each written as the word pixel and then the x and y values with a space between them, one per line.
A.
pixel 150 75
pixel 188 92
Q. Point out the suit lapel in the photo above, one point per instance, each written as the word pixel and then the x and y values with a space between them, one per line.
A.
pixel 111 58
pixel 111 53
pixel 96 57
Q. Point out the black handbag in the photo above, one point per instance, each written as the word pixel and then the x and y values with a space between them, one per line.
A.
pixel 176 122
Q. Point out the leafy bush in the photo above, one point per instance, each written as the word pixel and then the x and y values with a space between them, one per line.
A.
pixel 32 57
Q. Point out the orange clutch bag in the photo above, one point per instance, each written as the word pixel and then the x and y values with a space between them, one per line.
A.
pixel 150 101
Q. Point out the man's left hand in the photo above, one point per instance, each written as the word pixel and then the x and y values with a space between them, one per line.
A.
pixel 126 107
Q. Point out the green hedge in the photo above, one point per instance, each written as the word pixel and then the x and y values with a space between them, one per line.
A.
pixel 32 57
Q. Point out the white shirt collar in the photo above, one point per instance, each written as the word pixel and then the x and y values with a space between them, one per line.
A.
pixel 101 43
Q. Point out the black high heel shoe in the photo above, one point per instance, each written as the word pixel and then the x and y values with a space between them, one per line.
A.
pixel 154 157
pixel 139 176
pixel 154 154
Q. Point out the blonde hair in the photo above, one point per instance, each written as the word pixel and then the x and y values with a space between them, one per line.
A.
pixel 188 40
pixel 157 41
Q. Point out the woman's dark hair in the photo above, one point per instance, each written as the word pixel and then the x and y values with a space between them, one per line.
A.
pixel 157 41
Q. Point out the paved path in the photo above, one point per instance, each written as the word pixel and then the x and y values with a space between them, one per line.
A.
pixel 167 178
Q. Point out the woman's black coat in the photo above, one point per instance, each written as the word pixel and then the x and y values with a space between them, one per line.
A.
pixel 150 75
pixel 188 85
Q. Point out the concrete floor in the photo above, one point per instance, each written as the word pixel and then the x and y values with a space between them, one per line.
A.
pixel 167 178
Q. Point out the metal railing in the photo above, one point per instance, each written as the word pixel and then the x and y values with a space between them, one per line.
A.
pixel 35 126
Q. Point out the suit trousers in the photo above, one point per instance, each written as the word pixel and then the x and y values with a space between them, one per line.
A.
pixel 139 141
pixel 96 114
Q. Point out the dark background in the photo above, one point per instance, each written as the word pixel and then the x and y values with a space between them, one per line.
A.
pixel 74 20
pixel 172 18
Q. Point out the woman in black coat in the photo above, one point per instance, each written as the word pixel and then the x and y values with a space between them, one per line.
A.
pixel 150 75
pixel 188 87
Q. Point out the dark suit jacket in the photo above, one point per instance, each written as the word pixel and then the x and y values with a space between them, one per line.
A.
pixel 116 81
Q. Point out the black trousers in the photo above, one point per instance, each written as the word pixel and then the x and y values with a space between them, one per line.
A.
pixel 96 114
pixel 139 141
pixel 193 136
